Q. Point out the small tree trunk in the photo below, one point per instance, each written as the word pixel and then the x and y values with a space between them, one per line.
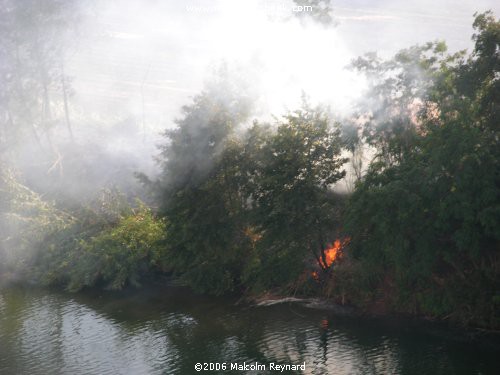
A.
pixel 66 107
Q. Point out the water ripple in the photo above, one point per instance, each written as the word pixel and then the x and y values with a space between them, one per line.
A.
pixel 55 333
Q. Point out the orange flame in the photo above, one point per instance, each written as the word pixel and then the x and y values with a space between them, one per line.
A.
pixel 333 252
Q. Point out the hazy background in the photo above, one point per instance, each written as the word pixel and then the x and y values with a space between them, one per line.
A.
pixel 161 51
pixel 131 65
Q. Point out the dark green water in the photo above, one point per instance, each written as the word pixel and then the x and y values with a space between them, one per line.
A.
pixel 168 331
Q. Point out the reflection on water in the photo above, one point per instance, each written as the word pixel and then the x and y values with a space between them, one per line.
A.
pixel 168 331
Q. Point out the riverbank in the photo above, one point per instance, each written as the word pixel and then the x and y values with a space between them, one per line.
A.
pixel 373 312
pixel 432 325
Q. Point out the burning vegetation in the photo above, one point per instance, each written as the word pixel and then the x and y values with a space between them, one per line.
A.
pixel 330 255
pixel 333 252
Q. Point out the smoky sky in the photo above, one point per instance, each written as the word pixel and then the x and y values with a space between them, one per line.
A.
pixel 147 58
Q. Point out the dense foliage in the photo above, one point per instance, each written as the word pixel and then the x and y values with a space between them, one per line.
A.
pixel 425 220
pixel 25 219
pixel 108 243
pixel 242 210
pixel 294 211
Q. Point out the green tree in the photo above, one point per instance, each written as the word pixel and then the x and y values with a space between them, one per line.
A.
pixel 208 241
pixel 398 90
pixel 25 219
pixel 201 190
pixel 428 225
pixel 107 243
pixel 295 211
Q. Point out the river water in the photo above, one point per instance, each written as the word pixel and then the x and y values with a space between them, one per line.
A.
pixel 169 330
